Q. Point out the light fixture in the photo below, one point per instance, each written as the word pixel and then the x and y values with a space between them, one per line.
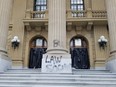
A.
pixel 15 42
pixel 102 42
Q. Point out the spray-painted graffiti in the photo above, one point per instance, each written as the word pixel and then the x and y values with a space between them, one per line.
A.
pixel 54 63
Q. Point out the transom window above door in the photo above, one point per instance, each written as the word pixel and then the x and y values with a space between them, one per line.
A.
pixel 39 42
pixel 78 42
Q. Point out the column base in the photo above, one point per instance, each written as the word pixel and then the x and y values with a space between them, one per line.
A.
pixel 5 63
pixel 57 50
pixel 111 63
pixel 56 63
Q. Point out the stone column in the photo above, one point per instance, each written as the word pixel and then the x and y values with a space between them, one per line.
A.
pixel 57 58
pixel 57 26
pixel 5 9
pixel 111 12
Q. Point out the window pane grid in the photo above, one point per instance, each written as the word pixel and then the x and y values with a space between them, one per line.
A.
pixel 77 5
pixel 40 5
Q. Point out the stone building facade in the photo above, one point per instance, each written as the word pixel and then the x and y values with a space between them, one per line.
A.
pixel 83 22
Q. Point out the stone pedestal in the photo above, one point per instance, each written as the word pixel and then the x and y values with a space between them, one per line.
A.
pixel 57 59
pixel 5 10
pixel 111 64
pixel 111 11
pixel 5 63
pixel 56 63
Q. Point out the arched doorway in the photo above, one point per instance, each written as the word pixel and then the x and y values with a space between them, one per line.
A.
pixel 79 53
pixel 38 46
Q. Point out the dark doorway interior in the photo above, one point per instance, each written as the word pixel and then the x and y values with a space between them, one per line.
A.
pixel 36 57
pixel 79 53
pixel 38 47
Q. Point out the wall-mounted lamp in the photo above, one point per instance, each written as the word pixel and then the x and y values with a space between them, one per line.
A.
pixel 15 42
pixel 102 42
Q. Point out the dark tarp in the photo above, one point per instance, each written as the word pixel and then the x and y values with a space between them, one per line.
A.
pixel 35 57
pixel 80 58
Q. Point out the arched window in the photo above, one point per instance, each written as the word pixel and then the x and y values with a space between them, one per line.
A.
pixel 77 5
pixel 39 42
pixel 78 42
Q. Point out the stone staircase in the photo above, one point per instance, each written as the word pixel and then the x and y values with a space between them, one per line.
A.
pixel 79 78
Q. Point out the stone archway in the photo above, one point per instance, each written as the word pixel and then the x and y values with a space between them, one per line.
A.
pixel 79 52
pixel 38 46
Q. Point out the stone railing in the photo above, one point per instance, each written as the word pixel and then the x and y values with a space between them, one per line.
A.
pixel 79 14
pixel 99 14
pixel 87 14
pixel 36 14
pixel 70 14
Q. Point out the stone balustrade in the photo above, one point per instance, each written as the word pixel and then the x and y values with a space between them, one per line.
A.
pixel 69 13
pixel 99 14
pixel 86 14
pixel 36 14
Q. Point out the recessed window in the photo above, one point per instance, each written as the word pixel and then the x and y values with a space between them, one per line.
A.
pixel 40 5
pixel 77 5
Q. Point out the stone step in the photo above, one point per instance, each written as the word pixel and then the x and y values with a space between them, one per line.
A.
pixel 102 73
pixel 79 78
pixel 48 85
pixel 57 80
pixel 54 78
pixel 56 83
pixel 57 75
pixel 79 70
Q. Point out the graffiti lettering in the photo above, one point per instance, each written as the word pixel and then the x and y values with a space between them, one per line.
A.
pixel 54 63
pixel 53 59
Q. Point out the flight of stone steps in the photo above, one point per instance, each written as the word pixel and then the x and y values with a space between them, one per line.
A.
pixel 79 78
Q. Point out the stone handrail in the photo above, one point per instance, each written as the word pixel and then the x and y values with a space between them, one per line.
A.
pixel 87 14
pixel 74 13
pixel 36 14
pixel 99 14
pixel 69 13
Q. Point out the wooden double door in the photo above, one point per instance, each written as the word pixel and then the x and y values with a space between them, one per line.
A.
pixel 38 47
pixel 79 53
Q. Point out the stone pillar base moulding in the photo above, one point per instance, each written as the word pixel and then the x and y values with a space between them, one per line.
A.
pixel 5 63
pixel 56 63
pixel 111 64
